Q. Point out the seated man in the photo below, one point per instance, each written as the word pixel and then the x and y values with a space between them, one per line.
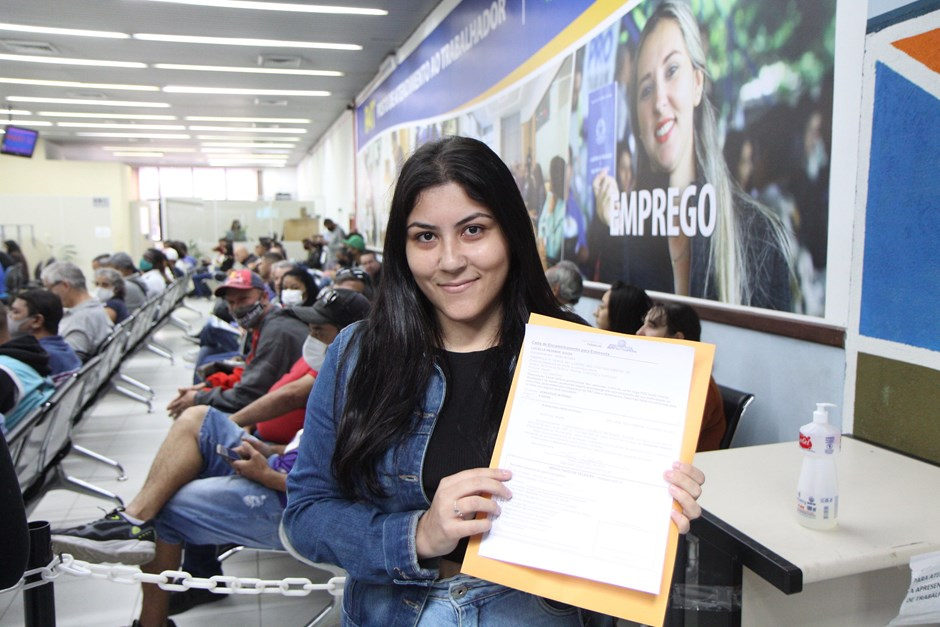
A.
pixel 353 246
pixel 244 259
pixel 369 261
pixel 85 325
pixel 265 265
pixel 326 318
pixel 275 338
pixel 566 282
pixel 209 483
pixel 355 279
pixel 37 313
pixel 681 322
pixel 24 384
pixel 135 290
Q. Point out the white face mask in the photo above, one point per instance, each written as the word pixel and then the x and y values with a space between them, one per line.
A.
pixel 16 326
pixel 314 352
pixel 104 294
pixel 289 298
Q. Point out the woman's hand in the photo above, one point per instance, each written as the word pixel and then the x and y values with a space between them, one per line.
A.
pixel 685 487
pixel 452 515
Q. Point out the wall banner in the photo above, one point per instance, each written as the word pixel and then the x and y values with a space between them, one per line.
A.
pixel 679 145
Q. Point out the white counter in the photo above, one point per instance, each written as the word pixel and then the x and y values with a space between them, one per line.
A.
pixel 889 511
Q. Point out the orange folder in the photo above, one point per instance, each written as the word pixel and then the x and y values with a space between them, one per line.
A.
pixel 602 597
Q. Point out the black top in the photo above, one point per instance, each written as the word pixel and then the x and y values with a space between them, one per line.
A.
pixel 460 440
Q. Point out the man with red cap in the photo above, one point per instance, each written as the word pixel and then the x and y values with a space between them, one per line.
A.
pixel 274 338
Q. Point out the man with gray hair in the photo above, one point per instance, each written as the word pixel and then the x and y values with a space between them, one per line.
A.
pixel 566 282
pixel 135 290
pixel 85 324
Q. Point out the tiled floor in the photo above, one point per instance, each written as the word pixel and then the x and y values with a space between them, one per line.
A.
pixel 121 428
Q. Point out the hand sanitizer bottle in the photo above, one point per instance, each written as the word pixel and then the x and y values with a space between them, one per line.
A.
pixel 817 495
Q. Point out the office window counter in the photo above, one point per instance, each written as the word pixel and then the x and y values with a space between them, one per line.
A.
pixel 855 574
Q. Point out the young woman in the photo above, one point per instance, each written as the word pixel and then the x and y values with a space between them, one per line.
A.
pixel 744 260
pixel 403 417
pixel 622 308
pixel 153 271
pixel 297 287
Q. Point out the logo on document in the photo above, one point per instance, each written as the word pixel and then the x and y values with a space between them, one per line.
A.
pixel 621 345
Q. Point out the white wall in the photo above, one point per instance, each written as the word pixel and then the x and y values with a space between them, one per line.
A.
pixel 276 181
pixel 327 177
pixel 82 203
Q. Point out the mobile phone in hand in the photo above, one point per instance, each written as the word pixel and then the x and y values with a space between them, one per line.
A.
pixel 229 454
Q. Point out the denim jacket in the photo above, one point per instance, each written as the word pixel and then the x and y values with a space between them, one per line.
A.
pixel 373 541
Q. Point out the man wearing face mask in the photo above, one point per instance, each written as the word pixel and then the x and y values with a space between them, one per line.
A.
pixel 84 325
pixel 331 312
pixel 273 339
pixel 193 494
pixel 38 313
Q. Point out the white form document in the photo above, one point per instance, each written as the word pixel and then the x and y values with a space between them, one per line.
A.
pixel 595 422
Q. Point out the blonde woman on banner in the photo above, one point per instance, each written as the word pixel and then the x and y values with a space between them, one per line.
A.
pixel 722 245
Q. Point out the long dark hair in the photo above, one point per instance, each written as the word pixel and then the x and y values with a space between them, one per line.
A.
pixel 14 250
pixel 310 286
pixel 158 259
pixel 626 307
pixel 677 317
pixel 402 335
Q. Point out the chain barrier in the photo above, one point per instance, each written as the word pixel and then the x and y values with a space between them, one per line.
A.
pixel 176 580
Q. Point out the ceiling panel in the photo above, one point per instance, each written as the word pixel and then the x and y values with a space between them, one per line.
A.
pixel 379 37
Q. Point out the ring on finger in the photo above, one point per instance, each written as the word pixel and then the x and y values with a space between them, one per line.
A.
pixel 457 512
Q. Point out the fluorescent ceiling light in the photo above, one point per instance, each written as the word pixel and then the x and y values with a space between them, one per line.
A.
pixel 244 41
pixel 228 139
pixel 246 129
pixel 77 84
pixel 238 159
pixel 132 148
pixel 29 58
pixel 137 154
pixel 260 150
pixel 245 70
pixel 234 91
pixel 203 118
pixel 279 6
pixel 148 127
pixel 26 122
pixel 137 135
pixel 95 103
pixel 246 145
pixel 245 163
pixel 47 30
pixel 114 116
pixel 15 112
pixel 233 153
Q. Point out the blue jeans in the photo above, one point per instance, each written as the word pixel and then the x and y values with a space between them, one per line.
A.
pixel 221 507
pixel 469 602
pixel 199 284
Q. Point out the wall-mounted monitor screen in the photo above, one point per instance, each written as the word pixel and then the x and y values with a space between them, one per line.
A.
pixel 19 141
